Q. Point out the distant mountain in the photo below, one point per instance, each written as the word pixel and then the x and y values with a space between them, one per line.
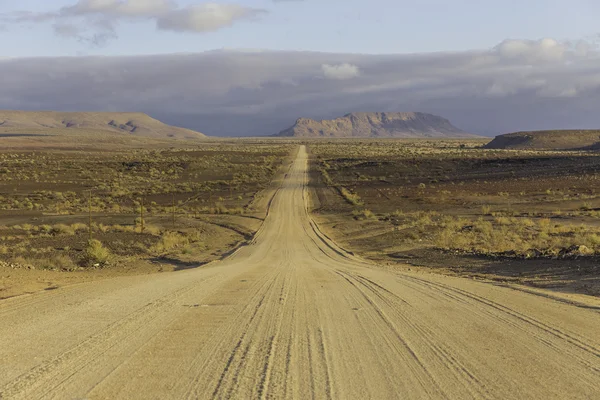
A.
pixel 548 140
pixel 136 124
pixel 377 125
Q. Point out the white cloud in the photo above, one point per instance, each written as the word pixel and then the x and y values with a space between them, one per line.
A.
pixel 206 17
pixel 131 8
pixel 340 71
pixel 541 51
pixel 96 21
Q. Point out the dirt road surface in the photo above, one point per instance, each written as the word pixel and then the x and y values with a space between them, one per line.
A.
pixel 294 316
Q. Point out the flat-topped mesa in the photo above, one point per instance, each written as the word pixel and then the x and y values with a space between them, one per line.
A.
pixel 377 124
pixel 585 139
pixel 137 124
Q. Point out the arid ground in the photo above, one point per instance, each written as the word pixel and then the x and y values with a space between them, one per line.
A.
pixel 511 216
pixel 294 315
pixel 333 290
pixel 153 209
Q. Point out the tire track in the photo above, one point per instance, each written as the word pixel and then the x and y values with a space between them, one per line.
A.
pixel 296 316
pixel 395 305
pixel 422 373
pixel 564 337
pixel 235 360
pixel 52 374
pixel 268 369
pixel 571 338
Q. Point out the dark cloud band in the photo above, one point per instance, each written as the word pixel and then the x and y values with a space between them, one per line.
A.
pixel 516 85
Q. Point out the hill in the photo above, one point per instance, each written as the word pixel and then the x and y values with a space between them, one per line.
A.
pixel 548 140
pixel 381 125
pixel 72 123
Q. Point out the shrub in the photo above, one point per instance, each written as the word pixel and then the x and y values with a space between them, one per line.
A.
pixel 45 228
pixel 594 240
pixel 187 250
pixel 502 220
pixel 102 228
pixel 62 229
pixel 58 261
pixel 169 241
pixel 79 227
pixel 236 211
pixel 21 261
pixel 544 225
pixel 363 214
pixel 96 253
pixel 152 230
pixel 219 209
pixel 350 197
pixel 424 218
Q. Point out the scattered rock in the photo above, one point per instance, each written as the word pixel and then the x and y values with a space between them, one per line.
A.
pixel 576 251
pixel 12 265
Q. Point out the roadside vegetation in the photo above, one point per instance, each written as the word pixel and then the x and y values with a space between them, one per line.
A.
pixel 519 237
pixel 72 209
pixel 424 200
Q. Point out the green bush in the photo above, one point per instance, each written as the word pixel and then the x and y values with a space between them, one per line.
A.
pixel 96 253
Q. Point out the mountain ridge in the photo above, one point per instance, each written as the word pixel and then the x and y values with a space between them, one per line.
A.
pixel 130 123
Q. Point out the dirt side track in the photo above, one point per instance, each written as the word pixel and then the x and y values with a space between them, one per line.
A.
pixel 294 316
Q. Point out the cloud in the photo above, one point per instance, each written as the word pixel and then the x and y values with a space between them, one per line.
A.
pixel 66 30
pixel 341 71
pixel 533 51
pixel 120 8
pixel 21 17
pixel 205 17
pixel 96 21
pixel 516 85
pixel 99 38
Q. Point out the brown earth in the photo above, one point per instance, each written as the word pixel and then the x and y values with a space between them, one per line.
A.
pixel 293 315
pixel 220 234
pixel 220 191
pixel 518 217
pixel 381 125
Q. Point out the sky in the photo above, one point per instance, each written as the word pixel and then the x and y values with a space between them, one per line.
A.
pixel 253 66
pixel 339 26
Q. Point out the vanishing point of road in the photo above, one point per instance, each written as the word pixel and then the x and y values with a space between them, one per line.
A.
pixel 292 315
